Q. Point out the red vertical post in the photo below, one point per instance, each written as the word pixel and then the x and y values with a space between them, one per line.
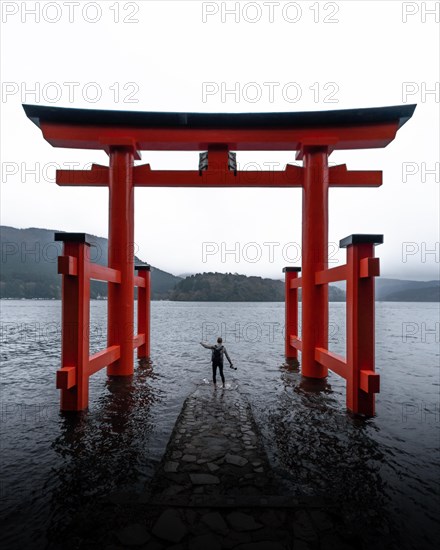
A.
pixel 218 158
pixel 314 331
pixel 291 319
pixel 362 382
pixel 121 257
pixel 143 313
pixel 73 379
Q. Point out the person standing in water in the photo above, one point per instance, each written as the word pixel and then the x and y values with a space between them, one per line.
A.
pixel 218 351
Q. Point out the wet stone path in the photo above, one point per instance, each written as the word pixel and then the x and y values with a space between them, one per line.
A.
pixel 214 489
pixel 214 452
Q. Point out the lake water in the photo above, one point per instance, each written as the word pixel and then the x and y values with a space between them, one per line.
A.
pixel 53 464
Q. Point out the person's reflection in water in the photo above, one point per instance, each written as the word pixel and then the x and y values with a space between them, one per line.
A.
pixel 219 396
pixel 105 460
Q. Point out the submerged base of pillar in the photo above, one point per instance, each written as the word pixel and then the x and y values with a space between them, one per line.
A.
pixel 314 384
pixel 292 363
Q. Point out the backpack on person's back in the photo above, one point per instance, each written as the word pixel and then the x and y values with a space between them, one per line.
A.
pixel 217 355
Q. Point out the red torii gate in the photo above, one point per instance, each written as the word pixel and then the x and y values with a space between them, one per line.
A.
pixel 314 135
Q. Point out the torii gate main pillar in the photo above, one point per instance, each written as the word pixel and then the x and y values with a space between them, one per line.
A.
pixel 121 257
pixel 314 325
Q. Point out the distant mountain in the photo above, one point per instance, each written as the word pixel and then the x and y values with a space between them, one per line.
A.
pixel 29 266
pixel 424 294
pixel 228 287
pixel 397 290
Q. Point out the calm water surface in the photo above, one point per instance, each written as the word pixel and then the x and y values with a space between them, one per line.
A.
pixel 53 464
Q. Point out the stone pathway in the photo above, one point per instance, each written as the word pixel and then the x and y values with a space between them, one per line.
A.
pixel 214 451
pixel 214 489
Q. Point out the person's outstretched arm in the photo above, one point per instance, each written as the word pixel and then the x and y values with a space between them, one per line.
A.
pixel 227 356
pixel 207 346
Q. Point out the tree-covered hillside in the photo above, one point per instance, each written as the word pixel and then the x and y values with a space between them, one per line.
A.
pixel 228 287
pixel 29 266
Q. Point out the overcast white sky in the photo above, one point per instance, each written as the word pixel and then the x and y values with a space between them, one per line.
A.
pixel 158 56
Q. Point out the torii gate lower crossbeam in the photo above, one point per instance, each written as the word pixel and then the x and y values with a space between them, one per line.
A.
pixel 313 135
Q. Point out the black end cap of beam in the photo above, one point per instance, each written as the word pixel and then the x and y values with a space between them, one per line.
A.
pixel 361 238
pixel 73 238
pixel 142 267
pixel 291 269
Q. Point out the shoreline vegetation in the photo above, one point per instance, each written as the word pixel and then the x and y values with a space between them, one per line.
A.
pixel 29 271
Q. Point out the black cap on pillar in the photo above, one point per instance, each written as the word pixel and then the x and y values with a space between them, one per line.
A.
pixel 361 238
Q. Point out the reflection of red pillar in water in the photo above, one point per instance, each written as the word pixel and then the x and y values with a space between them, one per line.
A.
pixel 121 257
pixel 314 330
pixel 291 322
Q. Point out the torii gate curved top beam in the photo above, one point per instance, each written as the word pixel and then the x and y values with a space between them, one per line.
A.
pixel 339 129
